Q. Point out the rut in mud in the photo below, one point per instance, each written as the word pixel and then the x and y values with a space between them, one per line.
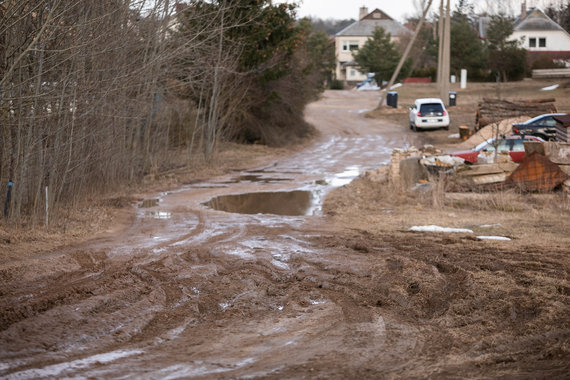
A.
pixel 189 291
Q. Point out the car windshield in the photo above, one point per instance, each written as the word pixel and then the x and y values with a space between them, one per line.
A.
pixel 535 119
pixel 512 145
pixel 482 145
pixel 430 108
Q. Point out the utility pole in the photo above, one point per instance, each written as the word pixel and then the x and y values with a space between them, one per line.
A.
pixel 406 53
pixel 446 56
pixel 440 45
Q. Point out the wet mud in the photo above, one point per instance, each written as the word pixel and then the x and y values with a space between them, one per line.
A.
pixel 188 291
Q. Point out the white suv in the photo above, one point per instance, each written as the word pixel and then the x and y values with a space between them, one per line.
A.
pixel 428 113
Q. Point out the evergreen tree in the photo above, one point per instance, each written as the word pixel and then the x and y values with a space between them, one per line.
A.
pixel 380 56
pixel 467 50
pixel 506 57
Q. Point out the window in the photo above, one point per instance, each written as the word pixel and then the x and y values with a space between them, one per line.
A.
pixel 550 122
pixel 431 109
pixel 542 42
pixel 349 45
pixel 532 42
pixel 352 73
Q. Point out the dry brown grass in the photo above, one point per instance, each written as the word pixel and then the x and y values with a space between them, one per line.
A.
pixel 529 219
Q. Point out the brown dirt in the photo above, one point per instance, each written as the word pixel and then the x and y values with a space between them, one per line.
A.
pixel 182 291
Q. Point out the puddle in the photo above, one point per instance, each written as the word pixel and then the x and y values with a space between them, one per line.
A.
pixel 345 177
pixel 158 214
pixel 147 203
pixel 290 203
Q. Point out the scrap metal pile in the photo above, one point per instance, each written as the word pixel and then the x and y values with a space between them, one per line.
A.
pixel 492 110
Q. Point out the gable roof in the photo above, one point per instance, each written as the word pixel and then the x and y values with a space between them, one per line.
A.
pixel 536 19
pixel 371 21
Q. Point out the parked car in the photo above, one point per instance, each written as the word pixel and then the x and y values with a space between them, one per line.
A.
pixel 514 145
pixel 428 113
pixel 543 126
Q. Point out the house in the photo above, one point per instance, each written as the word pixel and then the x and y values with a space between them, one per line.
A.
pixel 355 35
pixel 541 36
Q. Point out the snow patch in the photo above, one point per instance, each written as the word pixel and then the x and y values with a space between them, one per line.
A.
pixel 433 228
pixel 501 238
pixel 57 370
pixel 550 88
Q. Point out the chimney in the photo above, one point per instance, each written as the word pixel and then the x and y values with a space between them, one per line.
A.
pixel 363 13
pixel 523 9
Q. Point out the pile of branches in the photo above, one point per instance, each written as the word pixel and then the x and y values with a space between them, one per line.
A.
pixel 493 110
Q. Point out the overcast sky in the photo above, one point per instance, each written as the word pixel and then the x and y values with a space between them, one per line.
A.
pixel 398 9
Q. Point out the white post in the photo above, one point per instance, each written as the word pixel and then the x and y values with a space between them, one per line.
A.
pixel 463 78
pixel 47 207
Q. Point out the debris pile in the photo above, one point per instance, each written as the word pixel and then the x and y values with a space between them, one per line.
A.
pixel 545 167
pixel 493 110
pixel 405 168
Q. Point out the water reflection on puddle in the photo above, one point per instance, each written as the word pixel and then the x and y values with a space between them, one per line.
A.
pixel 148 203
pixel 345 177
pixel 158 214
pixel 256 178
pixel 291 203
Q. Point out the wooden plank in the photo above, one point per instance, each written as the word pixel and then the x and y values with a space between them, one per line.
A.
pixel 478 170
pixel 489 178
pixel 551 73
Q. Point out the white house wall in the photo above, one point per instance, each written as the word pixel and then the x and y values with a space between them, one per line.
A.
pixel 352 74
pixel 556 40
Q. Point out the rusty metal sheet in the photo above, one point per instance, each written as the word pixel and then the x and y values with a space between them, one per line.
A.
pixel 537 173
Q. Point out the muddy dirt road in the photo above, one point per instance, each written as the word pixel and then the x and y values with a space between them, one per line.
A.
pixel 274 289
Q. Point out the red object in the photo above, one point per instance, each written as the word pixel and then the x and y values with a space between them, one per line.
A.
pixel 417 80
pixel 517 156
pixel 512 144
pixel 470 156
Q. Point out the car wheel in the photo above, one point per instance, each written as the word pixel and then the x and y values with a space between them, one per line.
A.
pixel 414 128
pixel 446 128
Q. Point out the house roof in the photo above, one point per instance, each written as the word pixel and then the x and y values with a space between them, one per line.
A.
pixel 536 19
pixel 371 21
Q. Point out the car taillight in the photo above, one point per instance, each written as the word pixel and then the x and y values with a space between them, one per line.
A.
pixel 515 130
pixel 419 114
pixel 444 113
